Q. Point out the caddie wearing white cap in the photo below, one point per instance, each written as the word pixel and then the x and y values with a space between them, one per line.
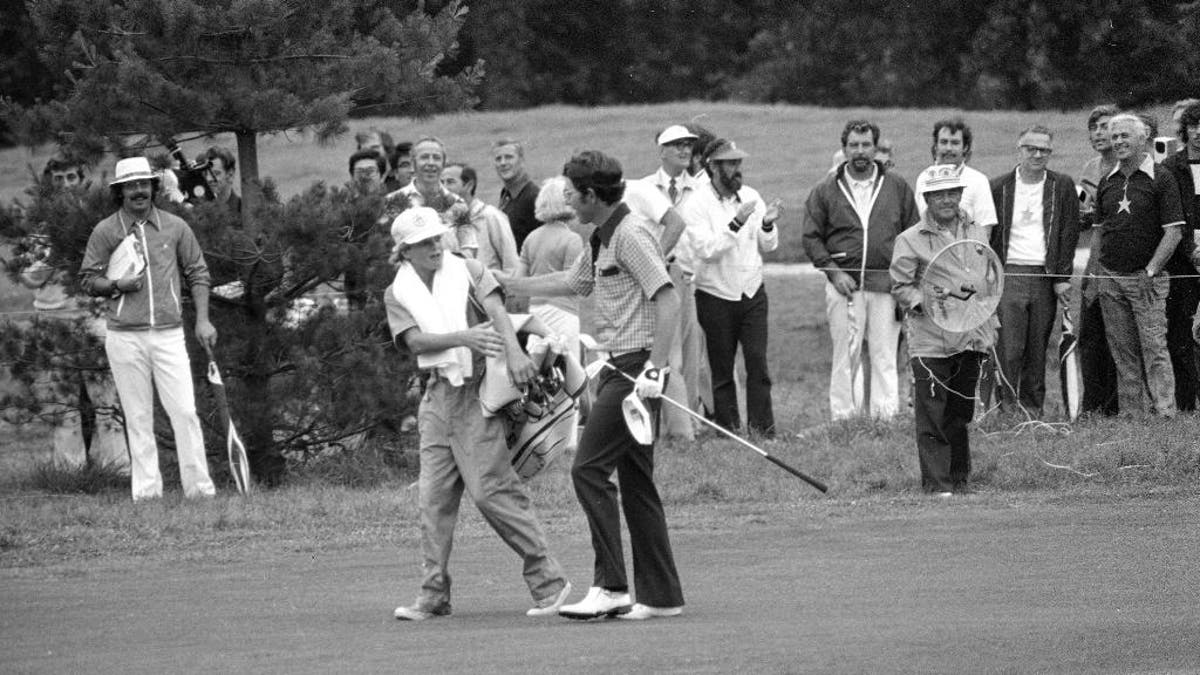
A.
pixel 945 364
pixel 138 258
pixel 431 314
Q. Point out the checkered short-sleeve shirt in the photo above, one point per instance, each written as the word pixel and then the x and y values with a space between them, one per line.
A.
pixel 629 271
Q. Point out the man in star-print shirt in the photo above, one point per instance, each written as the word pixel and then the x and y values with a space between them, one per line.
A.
pixel 1139 209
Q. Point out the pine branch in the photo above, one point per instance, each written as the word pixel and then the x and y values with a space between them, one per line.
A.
pixel 254 61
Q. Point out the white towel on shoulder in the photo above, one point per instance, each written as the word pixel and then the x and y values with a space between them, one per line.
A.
pixel 442 310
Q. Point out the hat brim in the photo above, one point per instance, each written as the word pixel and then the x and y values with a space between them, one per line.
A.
pixel 135 177
pixel 424 235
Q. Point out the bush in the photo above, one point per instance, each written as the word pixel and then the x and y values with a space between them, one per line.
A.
pixel 93 478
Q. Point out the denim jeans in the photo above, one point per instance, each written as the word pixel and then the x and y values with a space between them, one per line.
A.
pixel 1136 325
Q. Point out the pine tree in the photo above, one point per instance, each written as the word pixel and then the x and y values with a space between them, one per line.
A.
pixel 145 72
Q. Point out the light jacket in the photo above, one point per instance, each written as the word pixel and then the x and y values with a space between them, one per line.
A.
pixel 173 255
pixel 835 238
pixel 1060 220
pixel 915 248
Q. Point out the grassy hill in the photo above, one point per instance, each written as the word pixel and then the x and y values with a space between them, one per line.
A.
pixel 790 146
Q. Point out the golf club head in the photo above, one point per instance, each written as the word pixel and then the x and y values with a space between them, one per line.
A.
pixel 637 419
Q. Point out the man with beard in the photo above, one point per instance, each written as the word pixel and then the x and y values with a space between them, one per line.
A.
pixel 1035 239
pixel 519 194
pixel 952 145
pixel 1139 208
pixel 729 228
pixel 851 220
pixel 144 342
pixel 1097 370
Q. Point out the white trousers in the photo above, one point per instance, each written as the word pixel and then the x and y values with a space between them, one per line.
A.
pixel 141 362
pixel 872 315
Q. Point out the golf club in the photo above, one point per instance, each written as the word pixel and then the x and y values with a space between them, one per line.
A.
pixel 594 368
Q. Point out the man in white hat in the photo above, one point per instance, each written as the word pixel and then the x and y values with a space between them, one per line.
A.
pixel 435 308
pixel 137 258
pixel 692 382
pixel 945 364
pixel 729 228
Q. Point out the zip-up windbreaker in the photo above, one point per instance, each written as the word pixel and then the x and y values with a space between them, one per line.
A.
pixel 172 255
pixel 835 237
pixel 1060 221
pixel 915 248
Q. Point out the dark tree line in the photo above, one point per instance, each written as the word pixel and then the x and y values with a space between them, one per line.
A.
pixel 1021 54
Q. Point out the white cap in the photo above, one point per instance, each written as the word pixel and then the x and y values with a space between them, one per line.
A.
pixel 675 132
pixel 942 177
pixel 416 224
pixel 637 418
pixel 131 169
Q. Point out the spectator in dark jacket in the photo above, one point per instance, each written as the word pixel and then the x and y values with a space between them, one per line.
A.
pixel 1036 236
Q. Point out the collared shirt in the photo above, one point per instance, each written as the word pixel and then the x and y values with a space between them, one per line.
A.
pixel 628 272
pixel 863 193
pixel 976 198
pixel 1132 211
pixel 727 265
pixel 685 185
pixel 518 202
pixel 497 248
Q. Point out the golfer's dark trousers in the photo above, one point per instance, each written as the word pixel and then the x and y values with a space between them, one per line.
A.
pixel 1027 311
pixel 606 445
pixel 726 325
pixel 1181 308
pixel 1096 366
pixel 943 404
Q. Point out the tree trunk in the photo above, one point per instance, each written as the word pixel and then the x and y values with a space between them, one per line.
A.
pixel 247 144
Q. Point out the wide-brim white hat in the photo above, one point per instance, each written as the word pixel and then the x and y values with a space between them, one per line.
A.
pixel 131 169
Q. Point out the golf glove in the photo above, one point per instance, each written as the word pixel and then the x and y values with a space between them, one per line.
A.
pixel 650 383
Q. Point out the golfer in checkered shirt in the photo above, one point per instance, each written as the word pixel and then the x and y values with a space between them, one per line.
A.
pixel 637 312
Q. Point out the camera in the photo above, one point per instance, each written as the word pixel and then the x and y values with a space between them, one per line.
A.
pixel 1165 146
pixel 192 176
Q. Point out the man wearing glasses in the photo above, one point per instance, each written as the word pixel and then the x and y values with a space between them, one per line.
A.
pixel 1035 237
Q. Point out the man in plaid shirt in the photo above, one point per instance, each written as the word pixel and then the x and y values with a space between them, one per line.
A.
pixel 637 311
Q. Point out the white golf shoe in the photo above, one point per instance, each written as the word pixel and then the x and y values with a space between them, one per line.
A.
pixel 599 602
pixel 642 612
